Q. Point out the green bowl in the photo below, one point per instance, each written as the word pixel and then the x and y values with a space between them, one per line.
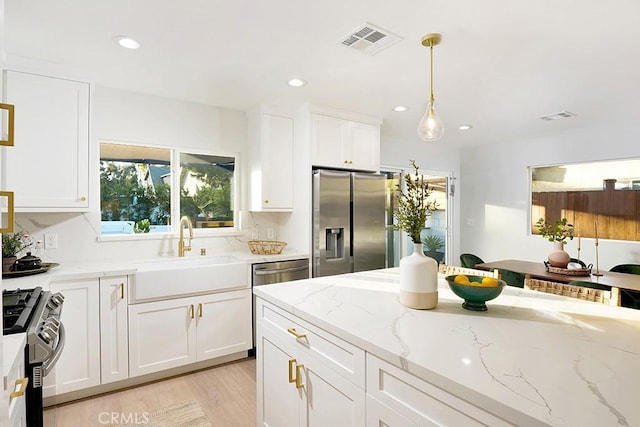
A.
pixel 475 296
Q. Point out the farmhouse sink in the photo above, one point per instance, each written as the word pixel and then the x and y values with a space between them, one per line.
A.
pixel 176 277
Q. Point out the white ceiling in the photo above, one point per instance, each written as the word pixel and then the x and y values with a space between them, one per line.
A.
pixel 501 63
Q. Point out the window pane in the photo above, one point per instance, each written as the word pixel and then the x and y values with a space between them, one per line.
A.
pixel 206 190
pixel 135 189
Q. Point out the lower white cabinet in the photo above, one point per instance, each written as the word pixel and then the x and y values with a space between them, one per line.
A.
pixel 79 363
pixel 172 333
pixel 14 381
pixel 114 340
pixel 300 387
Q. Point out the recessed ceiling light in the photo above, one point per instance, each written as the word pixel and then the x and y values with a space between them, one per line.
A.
pixel 296 82
pixel 127 42
pixel 400 108
pixel 465 127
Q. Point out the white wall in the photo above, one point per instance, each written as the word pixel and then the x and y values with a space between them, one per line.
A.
pixel 131 117
pixel 495 194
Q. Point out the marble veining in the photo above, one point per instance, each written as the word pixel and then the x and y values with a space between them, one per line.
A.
pixel 533 358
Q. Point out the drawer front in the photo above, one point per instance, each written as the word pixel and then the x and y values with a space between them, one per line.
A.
pixel 343 357
pixel 421 402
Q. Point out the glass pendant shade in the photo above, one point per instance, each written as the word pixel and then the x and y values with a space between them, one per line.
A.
pixel 431 127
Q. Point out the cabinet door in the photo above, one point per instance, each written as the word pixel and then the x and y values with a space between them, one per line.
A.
pixel 223 324
pixel 278 401
pixel 379 414
pixel 364 146
pixel 162 335
pixel 331 400
pixel 114 333
pixel 277 163
pixel 79 363
pixel 329 134
pixel 48 168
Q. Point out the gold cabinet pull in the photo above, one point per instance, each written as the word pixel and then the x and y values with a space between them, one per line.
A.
pixel 191 310
pixel 291 362
pixel 296 334
pixel 121 290
pixel 10 211
pixel 299 375
pixel 10 120
pixel 83 199
pixel 23 387
pixel 266 201
pixel 346 162
pixel 199 309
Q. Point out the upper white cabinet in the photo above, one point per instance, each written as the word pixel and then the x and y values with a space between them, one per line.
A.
pixel 48 167
pixel 271 157
pixel 345 144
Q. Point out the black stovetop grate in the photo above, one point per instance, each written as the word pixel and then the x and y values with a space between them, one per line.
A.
pixel 18 306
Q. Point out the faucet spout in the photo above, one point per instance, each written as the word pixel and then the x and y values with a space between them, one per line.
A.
pixel 182 248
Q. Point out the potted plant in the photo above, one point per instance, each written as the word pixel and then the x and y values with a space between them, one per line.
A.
pixel 431 244
pixel 557 233
pixel 12 245
pixel 418 273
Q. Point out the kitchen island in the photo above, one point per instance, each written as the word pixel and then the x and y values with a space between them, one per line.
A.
pixel 531 359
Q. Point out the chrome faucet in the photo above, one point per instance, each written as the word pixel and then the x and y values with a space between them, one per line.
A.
pixel 182 248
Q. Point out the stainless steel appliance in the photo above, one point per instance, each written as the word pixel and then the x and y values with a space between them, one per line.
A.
pixel 267 273
pixel 36 313
pixel 348 222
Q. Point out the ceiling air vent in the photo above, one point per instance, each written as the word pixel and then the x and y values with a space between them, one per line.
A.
pixel 556 116
pixel 369 39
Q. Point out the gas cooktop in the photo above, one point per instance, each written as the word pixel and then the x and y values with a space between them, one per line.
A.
pixel 18 306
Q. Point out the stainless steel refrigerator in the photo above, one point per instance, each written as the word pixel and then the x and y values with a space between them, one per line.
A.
pixel 348 222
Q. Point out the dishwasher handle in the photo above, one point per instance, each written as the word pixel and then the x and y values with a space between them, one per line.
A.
pixel 268 271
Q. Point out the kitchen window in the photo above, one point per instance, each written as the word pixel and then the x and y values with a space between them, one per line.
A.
pixel 140 194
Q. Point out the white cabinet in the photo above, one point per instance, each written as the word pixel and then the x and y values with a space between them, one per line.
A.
pixel 172 333
pixel 114 341
pixel 79 363
pixel 48 168
pixel 399 398
pixel 345 144
pixel 306 377
pixel 14 381
pixel 271 154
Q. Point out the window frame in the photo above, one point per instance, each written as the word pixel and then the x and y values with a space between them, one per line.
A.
pixel 175 168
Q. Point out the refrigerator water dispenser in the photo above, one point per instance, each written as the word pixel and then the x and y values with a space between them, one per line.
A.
pixel 334 243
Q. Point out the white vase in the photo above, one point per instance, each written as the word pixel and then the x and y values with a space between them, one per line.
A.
pixel 559 257
pixel 418 280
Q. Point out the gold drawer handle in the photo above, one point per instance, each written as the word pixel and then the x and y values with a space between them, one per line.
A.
pixel 10 120
pixel 10 212
pixel 291 362
pixel 299 375
pixel 191 310
pixel 199 309
pixel 23 387
pixel 296 334
pixel 121 290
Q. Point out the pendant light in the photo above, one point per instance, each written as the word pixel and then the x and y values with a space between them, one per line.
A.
pixel 431 127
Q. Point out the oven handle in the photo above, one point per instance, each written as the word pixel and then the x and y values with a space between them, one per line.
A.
pixel 48 364
pixel 266 271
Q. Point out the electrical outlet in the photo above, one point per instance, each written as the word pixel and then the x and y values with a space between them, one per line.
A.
pixel 269 233
pixel 51 241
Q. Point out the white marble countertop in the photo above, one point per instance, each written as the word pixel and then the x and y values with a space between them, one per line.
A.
pixel 104 268
pixel 533 358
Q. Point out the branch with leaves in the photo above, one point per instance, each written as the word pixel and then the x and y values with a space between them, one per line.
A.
pixel 414 206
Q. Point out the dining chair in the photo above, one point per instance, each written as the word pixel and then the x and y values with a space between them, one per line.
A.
pixel 470 260
pixel 629 298
pixel 512 278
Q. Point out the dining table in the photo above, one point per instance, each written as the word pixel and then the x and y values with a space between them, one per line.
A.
pixel 538 270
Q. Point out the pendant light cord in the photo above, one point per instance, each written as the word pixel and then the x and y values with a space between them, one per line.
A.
pixel 431 98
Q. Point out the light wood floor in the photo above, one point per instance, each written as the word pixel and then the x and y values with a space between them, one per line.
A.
pixel 226 394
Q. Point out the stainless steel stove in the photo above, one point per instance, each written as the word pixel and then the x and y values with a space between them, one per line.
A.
pixel 36 313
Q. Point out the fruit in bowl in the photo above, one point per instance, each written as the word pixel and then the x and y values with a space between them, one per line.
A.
pixel 475 290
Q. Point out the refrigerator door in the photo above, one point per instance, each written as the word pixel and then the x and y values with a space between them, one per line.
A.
pixel 331 223
pixel 368 224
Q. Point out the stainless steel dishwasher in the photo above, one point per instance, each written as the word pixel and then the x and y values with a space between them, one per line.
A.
pixel 267 273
